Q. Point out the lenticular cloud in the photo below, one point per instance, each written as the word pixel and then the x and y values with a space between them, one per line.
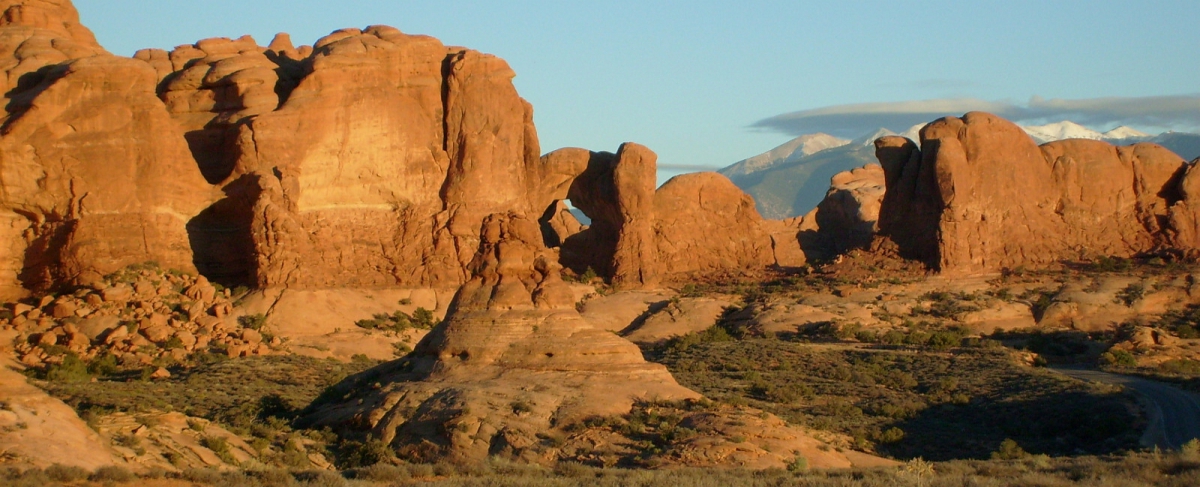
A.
pixel 1175 112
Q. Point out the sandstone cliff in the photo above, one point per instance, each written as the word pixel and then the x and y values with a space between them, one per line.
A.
pixel 94 174
pixel 366 160
pixel 980 195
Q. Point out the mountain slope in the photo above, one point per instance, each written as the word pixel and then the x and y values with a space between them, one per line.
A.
pixel 790 151
pixel 793 186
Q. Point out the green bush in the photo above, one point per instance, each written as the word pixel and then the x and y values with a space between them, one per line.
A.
pixel 798 464
pixel 356 454
pixel 66 474
pixel 72 369
pixel 1118 358
pixel 1131 294
pixel 253 322
pixel 890 435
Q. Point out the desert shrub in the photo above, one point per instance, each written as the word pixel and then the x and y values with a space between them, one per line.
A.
pixel 943 340
pixel 112 474
pixel 713 334
pixel 359 454
pixel 65 473
pixel 890 435
pixel 399 322
pixel 1131 294
pixel 104 365
pixel 1009 450
pixel 1106 263
pixel 423 319
pixel 798 464
pixel 1118 358
pixel 253 322
pixel 1181 367
pixel 321 478
pixel 380 472
pixel 72 369
pixel 893 337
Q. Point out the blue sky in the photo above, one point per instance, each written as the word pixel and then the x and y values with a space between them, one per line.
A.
pixel 707 83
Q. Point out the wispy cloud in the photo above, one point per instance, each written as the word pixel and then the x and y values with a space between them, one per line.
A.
pixel 1176 112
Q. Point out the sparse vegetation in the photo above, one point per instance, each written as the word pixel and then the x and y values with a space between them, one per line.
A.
pixel 400 322
pixel 942 407
pixel 1132 470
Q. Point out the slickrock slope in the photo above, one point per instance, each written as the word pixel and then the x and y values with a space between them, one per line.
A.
pixel 37 430
pixel 511 360
pixel 979 195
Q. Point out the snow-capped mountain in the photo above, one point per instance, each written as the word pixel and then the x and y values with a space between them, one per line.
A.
pixel 1065 129
pixel 1123 133
pixel 791 179
pixel 796 148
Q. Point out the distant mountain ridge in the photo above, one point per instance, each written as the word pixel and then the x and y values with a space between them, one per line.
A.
pixel 791 179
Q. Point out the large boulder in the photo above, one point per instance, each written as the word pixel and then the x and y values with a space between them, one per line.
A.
pixel 848 216
pixel 980 195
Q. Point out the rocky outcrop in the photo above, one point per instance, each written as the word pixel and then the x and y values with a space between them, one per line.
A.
pixel 848 216
pixel 513 359
pixel 979 195
pixel 95 175
pixel 367 160
pixel 407 144
pixel 515 372
pixel 694 225
pixel 617 193
pixel 706 225
pixel 138 316
pixel 37 431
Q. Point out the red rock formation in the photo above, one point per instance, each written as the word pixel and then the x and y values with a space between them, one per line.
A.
pixel 369 159
pixel 95 174
pixel 707 225
pixel 980 196
pixel 848 216
pixel 513 359
pixel 694 225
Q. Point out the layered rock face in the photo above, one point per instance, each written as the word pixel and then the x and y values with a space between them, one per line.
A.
pixel 979 195
pixel 94 174
pixel 366 160
pixel 370 162
pixel 512 359
pixel 694 225
pixel 848 216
